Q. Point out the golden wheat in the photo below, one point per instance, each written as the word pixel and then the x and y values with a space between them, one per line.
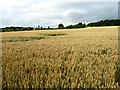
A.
pixel 82 58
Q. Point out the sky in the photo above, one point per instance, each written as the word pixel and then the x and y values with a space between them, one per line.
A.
pixel 52 12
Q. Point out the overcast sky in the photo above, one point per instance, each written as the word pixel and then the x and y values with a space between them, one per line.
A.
pixel 52 12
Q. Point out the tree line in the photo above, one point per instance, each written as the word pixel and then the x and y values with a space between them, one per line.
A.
pixel 12 28
pixel 79 25
pixel 112 22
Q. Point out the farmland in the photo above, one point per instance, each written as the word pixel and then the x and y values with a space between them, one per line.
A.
pixel 75 58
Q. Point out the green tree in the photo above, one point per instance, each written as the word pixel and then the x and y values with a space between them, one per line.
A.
pixel 60 26
pixel 38 26
pixel 41 28
pixel 49 27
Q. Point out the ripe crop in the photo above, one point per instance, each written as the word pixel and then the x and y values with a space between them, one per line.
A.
pixel 62 59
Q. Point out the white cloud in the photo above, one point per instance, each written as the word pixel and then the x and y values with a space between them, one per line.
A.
pixel 53 12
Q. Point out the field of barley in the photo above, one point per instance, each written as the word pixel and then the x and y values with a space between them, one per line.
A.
pixel 71 58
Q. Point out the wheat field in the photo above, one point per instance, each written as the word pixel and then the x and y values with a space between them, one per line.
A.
pixel 75 58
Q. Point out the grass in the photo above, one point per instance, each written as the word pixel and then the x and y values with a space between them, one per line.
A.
pixel 17 39
pixel 53 34
pixel 36 37
pixel 85 58
pixel 56 34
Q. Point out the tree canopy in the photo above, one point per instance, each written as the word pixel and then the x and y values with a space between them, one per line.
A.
pixel 60 26
pixel 113 22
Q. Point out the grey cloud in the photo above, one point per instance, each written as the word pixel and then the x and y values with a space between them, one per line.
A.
pixel 94 11
pixel 67 12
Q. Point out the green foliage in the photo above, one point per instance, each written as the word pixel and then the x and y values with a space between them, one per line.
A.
pixel 56 34
pixel 17 39
pixel 9 29
pixel 61 26
pixel 79 25
pixel 113 22
pixel 42 28
pixel 53 34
